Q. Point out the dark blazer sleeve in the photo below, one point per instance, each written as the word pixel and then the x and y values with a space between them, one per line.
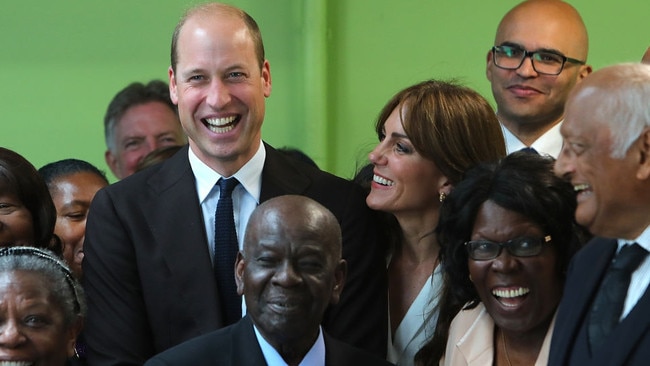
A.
pixel 147 272
pixel 361 317
pixel 116 326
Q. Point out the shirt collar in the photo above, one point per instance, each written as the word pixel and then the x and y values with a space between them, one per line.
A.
pixel 643 240
pixel 249 175
pixel 314 357
pixel 549 143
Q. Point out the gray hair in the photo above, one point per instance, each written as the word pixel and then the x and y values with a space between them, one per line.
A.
pixel 64 288
pixel 623 96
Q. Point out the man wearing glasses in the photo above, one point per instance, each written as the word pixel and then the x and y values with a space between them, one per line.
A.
pixel 539 55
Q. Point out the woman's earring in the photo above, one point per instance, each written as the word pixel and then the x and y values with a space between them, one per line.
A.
pixel 442 196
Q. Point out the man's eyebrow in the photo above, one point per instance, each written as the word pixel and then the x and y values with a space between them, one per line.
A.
pixel 549 50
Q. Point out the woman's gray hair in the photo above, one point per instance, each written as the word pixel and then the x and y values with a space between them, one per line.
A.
pixel 64 288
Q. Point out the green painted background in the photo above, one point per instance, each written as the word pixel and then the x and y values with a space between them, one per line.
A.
pixel 334 63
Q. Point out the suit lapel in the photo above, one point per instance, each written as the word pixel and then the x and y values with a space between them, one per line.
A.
pixel 626 335
pixel 580 289
pixel 246 351
pixel 177 225
pixel 280 176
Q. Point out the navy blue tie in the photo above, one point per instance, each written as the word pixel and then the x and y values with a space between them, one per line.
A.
pixel 607 307
pixel 529 150
pixel 225 252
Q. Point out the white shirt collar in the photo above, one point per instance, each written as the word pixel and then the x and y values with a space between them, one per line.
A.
pixel 249 175
pixel 549 143
pixel 315 356
pixel 643 240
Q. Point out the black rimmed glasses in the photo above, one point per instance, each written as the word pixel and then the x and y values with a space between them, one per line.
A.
pixel 544 62
pixel 525 246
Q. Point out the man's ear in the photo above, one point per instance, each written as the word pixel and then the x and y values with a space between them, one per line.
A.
pixel 240 265
pixel 643 173
pixel 488 69
pixel 340 273
pixel 173 95
pixel 585 70
pixel 111 161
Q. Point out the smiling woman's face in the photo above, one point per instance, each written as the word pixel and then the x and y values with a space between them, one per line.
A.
pixel 520 293
pixel 32 326
pixel 16 222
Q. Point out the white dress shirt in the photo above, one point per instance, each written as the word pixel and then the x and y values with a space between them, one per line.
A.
pixel 549 143
pixel 245 197
pixel 641 277
pixel 315 356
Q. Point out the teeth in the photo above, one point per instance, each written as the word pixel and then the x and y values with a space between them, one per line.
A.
pixel 580 187
pixel 15 363
pixel 219 125
pixel 382 181
pixel 511 293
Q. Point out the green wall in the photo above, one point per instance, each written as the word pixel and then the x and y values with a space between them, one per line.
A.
pixel 334 64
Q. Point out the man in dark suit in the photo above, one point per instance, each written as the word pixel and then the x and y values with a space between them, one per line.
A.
pixel 289 271
pixel 606 155
pixel 150 239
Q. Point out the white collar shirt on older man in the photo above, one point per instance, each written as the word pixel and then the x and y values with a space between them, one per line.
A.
pixel 549 143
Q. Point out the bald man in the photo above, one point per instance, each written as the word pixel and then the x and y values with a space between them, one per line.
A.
pixel 289 271
pixel 539 55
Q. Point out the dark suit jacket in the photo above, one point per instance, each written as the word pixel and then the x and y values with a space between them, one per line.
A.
pixel 237 345
pixel 628 344
pixel 148 275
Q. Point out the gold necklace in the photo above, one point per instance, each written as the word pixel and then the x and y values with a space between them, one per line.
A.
pixel 505 348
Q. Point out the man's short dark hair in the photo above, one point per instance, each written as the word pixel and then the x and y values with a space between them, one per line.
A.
pixel 134 94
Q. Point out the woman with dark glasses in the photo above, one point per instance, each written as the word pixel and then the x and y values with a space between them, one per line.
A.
pixel 507 234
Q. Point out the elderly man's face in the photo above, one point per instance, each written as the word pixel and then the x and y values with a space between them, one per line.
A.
pixel 607 187
pixel 289 273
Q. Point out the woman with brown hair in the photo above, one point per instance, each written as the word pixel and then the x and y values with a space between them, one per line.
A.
pixel 429 135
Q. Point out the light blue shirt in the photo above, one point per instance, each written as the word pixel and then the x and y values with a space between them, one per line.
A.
pixel 315 356
pixel 245 197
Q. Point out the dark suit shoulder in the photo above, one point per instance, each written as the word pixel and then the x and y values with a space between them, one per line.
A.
pixel 232 345
pixel 338 353
pixel 595 249
pixel 156 178
pixel 209 349
pixel 283 175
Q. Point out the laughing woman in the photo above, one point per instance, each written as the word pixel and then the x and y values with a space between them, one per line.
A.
pixel 507 234
pixel 429 134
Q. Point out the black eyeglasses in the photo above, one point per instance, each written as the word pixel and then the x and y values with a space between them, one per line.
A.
pixel 525 246
pixel 544 62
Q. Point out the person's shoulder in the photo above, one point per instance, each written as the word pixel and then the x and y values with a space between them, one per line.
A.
pixel 155 177
pixel 319 180
pixel 594 248
pixel 207 348
pixel 340 353
pixel 467 319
